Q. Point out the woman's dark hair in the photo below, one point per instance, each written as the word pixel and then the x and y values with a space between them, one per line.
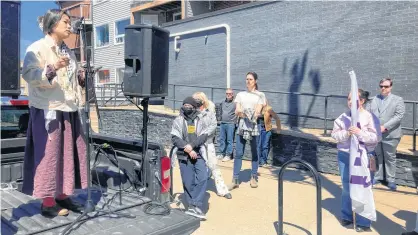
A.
pixel 364 95
pixel 255 76
pixel 51 18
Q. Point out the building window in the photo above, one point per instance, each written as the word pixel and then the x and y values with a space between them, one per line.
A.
pixel 149 19
pixel 120 30
pixel 102 35
pixel 119 75
pixel 103 76
pixel 177 16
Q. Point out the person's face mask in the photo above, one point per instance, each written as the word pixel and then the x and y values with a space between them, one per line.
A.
pixel 188 110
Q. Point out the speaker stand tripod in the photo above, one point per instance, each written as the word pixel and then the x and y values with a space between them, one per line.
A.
pixel 89 205
pixel 144 104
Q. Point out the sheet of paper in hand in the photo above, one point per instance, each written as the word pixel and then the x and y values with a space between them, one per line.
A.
pixel 360 181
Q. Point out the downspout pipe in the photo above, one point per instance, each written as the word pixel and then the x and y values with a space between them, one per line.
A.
pixel 228 45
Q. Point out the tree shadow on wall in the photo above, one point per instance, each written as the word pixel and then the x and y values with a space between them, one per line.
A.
pixel 298 74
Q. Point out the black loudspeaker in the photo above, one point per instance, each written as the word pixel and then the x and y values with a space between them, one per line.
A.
pixel 146 61
pixel 10 48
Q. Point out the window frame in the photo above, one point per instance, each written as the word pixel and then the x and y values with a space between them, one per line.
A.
pixel 115 28
pixel 176 14
pixel 153 15
pixel 95 35
pixel 98 83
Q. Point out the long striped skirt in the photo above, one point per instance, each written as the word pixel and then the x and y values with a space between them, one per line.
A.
pixel 55 160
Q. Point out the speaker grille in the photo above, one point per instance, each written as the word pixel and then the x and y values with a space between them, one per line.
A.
pixel 10 52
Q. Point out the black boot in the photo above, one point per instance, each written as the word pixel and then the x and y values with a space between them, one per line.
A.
pixel 70 205
pixel 53 211
pixel 345 222
pixel 361 229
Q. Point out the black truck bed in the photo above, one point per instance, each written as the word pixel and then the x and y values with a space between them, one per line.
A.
pixel 20 214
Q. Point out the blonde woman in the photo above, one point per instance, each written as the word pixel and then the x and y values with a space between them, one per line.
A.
pixel 267 114
pixel 207 109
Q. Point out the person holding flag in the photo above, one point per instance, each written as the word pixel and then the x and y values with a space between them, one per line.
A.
pixel 356 135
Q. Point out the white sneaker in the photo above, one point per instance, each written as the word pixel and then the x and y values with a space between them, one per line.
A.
pixel 226 158
pixel 220 157
pixel 196 212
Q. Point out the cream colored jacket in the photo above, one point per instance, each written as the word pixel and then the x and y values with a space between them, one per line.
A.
pixel 60 94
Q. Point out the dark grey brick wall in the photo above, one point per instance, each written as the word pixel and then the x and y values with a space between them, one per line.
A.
pixel 128 123
pixel 321 154
pixel 306 46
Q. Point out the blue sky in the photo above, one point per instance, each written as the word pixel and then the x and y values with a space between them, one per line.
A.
pixel 30 31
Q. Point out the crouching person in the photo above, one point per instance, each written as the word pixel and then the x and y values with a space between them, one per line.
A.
pixel 187 137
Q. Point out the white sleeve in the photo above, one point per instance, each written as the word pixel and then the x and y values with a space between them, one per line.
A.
pixel 238 98
pixel 33 72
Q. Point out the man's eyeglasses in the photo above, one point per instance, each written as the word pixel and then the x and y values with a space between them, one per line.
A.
pixel 384 86
pixel 229 93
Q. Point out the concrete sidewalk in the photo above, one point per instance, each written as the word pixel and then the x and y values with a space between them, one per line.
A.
pixel 255 211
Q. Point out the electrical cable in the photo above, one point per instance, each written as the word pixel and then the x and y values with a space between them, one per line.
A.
pixel 151 207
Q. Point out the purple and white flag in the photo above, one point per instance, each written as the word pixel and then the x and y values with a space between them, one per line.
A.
pixel 360 181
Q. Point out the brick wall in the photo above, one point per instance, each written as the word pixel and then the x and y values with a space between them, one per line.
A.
pixel 306 46
pixel 321 154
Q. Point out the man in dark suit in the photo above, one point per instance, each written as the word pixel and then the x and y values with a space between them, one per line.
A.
pixel 390 109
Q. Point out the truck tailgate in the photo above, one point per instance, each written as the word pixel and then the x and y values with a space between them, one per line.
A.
pixel 21 215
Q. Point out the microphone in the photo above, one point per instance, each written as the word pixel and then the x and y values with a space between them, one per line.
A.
pixel 76 25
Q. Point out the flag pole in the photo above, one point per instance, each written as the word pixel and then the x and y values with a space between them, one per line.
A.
pixel 354 220
pixel 352 74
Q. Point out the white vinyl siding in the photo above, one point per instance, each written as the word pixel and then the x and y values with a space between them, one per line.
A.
pixel 112 56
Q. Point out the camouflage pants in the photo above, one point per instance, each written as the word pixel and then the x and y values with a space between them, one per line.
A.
pixel 221 187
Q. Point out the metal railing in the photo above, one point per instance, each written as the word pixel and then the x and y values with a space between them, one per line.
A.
pixel 325 118
pixel 111 94
pixel 318 194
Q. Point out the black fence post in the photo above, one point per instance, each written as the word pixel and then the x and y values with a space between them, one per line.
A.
pixel 116 94
pixel 318 194
pixel 174 98
pixel 102 92
pixel 171 174
pixel 326 115
pixel 414 127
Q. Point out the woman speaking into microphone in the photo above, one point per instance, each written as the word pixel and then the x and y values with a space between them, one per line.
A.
pixel 55 154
